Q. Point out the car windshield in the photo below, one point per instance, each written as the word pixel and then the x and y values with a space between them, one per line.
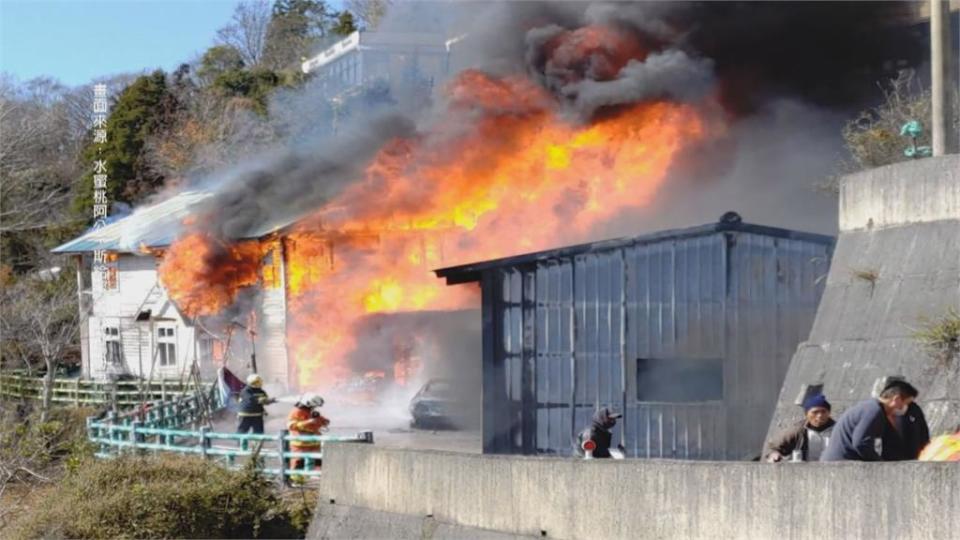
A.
pixel 439 389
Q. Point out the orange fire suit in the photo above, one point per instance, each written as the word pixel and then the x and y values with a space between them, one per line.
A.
pixel 302 421
pixel 942 448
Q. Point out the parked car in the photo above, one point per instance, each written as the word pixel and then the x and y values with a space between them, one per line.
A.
pixel 438 404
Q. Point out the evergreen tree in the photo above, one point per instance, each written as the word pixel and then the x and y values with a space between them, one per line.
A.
pixel 142 109
pixel 217 60
pixel 345 25
pixel 296 27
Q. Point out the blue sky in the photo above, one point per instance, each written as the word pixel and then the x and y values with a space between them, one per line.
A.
pixel 79 40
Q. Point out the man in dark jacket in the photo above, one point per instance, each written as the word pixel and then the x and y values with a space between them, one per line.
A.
pixel 910 436
pixel 252 400
pixel 861 431
pixel 809 436
pixel 599 432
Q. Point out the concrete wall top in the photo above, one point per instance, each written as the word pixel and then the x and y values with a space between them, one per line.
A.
pixel 915 191
pixel 572 498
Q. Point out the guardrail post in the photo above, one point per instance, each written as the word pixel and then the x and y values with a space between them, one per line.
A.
pixel 90 434
pixel 204 441
pixel 283 447
pixel 76 393
pixel 163 389
pixel 111 433
pixel 136 438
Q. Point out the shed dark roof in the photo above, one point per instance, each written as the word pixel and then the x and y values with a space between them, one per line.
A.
pixel 467 273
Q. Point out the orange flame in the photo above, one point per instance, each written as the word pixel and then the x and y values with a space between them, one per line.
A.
pixel 521 179
pixel 518 177
pixel 204 275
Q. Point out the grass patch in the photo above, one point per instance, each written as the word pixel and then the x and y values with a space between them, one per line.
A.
pixel 165 497
pixel 941 337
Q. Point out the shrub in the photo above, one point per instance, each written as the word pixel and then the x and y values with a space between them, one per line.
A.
pixel 32 451
pixel 164 497
pixel 941 337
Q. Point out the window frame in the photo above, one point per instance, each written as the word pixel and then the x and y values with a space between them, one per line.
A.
pixel 112 347
pixel 678 368
pixel 166 346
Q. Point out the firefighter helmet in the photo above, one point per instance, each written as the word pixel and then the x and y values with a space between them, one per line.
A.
pixel 310 401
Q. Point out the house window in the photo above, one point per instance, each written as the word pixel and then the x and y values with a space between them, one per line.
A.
pixel 112 351
pixel 166 347
pixel 211 350
pixel 679 380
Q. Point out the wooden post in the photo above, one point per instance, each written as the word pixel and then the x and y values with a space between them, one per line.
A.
pixel 943 80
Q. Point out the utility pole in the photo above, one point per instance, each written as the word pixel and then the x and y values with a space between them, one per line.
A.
pixel 944 79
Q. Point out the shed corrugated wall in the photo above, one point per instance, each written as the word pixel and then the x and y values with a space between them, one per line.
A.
pixel 562 337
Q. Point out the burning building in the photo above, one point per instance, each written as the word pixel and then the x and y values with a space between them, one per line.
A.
pixel 689 332
pixel 145 315
pixel 131 326
pixel 578 128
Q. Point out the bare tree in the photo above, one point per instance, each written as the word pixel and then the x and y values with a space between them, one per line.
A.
pixel 247 31
pixel 42 133
pixel 370 12
pixel 39 315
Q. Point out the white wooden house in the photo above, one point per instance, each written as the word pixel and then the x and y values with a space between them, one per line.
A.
pixel 131 327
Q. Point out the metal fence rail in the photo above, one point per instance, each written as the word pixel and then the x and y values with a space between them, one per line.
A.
pixel 79 392
pixel 117 435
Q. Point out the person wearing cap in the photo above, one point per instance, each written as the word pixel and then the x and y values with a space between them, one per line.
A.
pixel 809 437
pixel 252 400
pixel 875 429
pixel 305 419
pixel 599 433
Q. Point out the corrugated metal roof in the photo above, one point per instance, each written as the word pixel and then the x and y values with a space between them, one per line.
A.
pixel 153 226
pixel 470 272
pixel 156 226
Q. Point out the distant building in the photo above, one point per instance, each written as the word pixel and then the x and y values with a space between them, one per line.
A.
pixel 689 332
pixel 395 59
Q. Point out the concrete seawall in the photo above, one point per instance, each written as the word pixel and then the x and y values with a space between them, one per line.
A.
pixel 896 263
pixel 407 493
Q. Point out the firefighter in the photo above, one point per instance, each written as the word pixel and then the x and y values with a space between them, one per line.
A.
pixel 305 419
pixel 252 400
pixel 943 448
pixel 597 438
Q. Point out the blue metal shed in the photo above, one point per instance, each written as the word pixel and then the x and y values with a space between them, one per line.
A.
pixel 689 332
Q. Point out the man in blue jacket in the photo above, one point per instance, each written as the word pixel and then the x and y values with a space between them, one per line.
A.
pixel 861 430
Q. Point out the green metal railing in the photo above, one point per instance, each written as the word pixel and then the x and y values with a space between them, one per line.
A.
pixel 79 392
pixel 119 434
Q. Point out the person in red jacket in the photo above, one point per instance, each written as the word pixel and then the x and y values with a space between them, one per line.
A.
pixel 305 419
